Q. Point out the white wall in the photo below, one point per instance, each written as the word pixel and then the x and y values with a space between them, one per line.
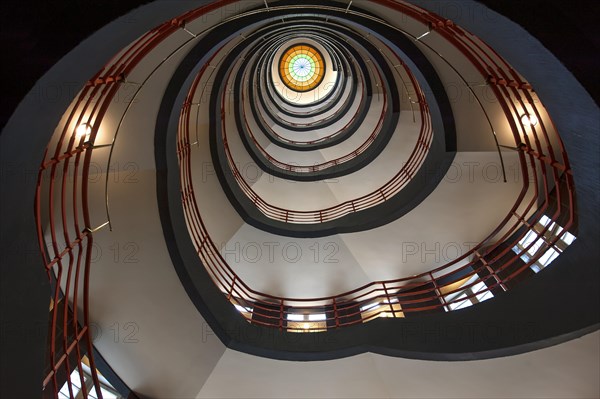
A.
pixel 569 370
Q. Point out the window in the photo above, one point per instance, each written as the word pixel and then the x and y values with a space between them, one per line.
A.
pixel 381 308
pixel 537 245
pixel 459 302
pixel 370 306
pixel 243 309
pixel 472 295
pixel 317 317
pixel 76 379
pixel 301 68
pixel 295 317
pixel 306 322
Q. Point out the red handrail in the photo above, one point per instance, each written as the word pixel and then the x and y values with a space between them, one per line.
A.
pixel 308 142
pixel 62 211
pixel 325 165
pixel 428 285
pixel 68 264
pixel 376 197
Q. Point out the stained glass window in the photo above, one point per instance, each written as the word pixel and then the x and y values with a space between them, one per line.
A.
pixel 301 67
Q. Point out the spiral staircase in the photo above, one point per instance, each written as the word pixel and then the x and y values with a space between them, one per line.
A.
pixel 315 193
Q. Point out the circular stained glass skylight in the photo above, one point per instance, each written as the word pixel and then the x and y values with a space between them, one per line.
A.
pixel 301 67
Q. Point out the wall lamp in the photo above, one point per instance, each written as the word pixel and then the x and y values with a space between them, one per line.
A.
pixel 529 120
pixel 83 130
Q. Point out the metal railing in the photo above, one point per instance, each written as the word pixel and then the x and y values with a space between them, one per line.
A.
pixel 63 215
pixel 64 220
pixel 316 167
pixel 329 136
pixel 492 262
pixel 376 197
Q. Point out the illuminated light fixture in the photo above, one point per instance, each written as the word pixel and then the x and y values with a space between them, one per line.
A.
pixel 306 326
pixel 529 120
pixel 83 130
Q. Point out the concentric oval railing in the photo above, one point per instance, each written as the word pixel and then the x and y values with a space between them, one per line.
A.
pixel 283 37
pixel 492 262
pixel 288 140
pixel 324 165
pixel 64 218
pixel 376 197
pixel 65 222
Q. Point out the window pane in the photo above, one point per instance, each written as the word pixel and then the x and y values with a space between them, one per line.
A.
pixel 485 296
pixel 108 395
pixel 548 257
pixel 536 246
pixel 75 384
pixel 568 238
pixel 242 309
pixel 458 304
pixel 480 286
pixel 528 239
pixel 544 220
pixel 518 250
pixel 317 317
pixel 370 306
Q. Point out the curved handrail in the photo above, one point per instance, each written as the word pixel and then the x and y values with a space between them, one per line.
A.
pixel 324 165
pixel 282 38
pixel 70 262
pixel 378 196
pixel 64 211
pixel 307 142
pixel 272 310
